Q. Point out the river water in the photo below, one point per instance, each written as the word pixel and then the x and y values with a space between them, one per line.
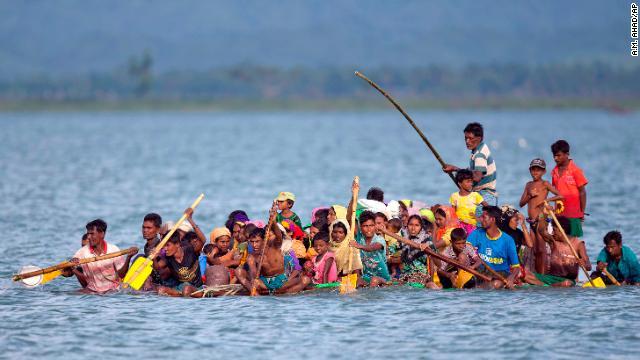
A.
pixel 60 170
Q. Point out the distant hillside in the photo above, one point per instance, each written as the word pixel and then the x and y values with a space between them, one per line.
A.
pixel 68 37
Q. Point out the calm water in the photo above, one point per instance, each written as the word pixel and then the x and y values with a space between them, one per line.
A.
pixel 58 171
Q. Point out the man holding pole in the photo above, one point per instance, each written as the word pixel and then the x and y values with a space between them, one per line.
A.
pixel 104 275
pixel 481 165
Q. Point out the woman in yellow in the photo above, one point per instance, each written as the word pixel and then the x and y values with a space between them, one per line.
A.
pixel 336 212
pixel 347 258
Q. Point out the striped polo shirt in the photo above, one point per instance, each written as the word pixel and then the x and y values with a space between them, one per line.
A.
pixel 481 160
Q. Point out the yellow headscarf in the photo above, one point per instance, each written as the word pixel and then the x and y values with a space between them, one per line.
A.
pixel 341 212
pixel 343 251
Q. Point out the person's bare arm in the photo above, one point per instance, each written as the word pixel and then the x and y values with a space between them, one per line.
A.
pixel 122 272
pixel 251 261
pixel 368 248
pixel 584 257
pixel 583 198
pixel 448 168
pixel 477 176
pixel 552 189
pixel 195 226
pixel 528 236
pixel 327 268
pixel 524 199
pixel 515 271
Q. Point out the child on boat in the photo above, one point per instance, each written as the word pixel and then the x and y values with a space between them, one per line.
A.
pixel 534 195
pixel 465 200
pixel 563 266
pixel 461 251
pixel 347 259
pixel 272 277
pixel 394 253
pixel 324 265
pixel 372 251
pixel 570 181
pixel 285 201
pixel 618 260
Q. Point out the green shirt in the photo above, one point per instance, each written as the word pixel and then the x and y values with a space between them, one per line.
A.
pixel 627 269
pixel 294 217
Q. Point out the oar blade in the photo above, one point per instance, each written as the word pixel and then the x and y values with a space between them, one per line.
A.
pixel 462 278
pixel 31 281
pixel 598 282
pixel 348 283
pixel 138 273
pixel 50 276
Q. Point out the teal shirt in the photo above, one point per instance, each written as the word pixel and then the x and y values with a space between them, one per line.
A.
pixel 627 268
pixel 374 262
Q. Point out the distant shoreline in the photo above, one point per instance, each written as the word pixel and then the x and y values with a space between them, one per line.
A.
pixel 618 105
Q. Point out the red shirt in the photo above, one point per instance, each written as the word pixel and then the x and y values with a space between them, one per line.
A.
pixel 568 184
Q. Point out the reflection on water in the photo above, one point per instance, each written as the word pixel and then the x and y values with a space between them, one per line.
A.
pixel 61 170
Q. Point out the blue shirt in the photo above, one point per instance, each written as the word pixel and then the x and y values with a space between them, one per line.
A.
pixel 626 269
pixel 500 253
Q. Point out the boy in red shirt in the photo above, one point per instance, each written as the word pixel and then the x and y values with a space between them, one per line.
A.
pixel 570 181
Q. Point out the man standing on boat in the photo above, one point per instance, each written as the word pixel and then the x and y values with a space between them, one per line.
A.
pixel 481 165
pixel 104 275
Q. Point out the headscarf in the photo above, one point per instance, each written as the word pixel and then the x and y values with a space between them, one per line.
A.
pixel 314 211
pixel 217 232
pixel 450 223
pixel 409 254
pixel 258 223
pixel 343 251
pixel 234 217
pixel 341 211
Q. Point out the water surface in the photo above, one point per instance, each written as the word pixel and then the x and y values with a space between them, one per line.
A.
pixel 59 171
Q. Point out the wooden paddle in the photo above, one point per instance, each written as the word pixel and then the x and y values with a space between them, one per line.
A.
pixel 349 282
pixel 611 278
pixel 437 256
pixel 406 116
pixel 68 264
pixel 142 267
pixel 267 234
pixel 566 240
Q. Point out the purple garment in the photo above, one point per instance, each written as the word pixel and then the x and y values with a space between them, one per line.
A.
pixel 291 262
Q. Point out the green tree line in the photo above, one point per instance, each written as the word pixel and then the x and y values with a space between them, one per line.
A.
pixel 247 82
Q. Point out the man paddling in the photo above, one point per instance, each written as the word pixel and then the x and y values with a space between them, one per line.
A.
pixel 481 165
pixel 104 275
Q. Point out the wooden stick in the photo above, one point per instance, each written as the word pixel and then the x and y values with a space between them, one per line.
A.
pixel 267 234
pixel 437 256
pixel 611 278
pixel 566 240
pixel 406 116
pixel 68 264
pixel 352 223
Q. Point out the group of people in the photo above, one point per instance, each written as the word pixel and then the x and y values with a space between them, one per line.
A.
pixel 282 255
